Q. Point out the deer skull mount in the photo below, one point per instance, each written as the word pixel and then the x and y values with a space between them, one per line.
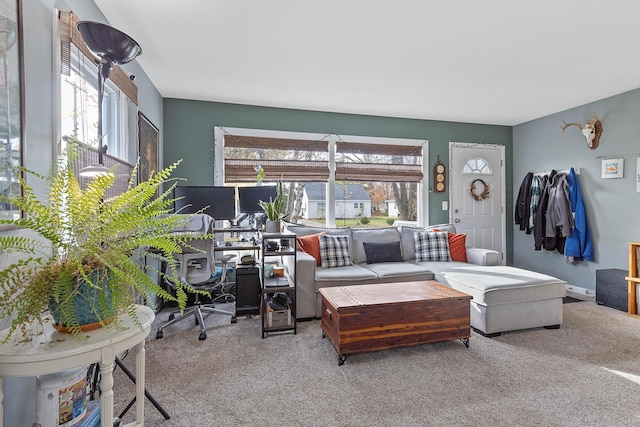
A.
pixel 591 131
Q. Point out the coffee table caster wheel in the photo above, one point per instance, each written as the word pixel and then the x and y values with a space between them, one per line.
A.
pixel 465 341
pixel 233 319
pixel 341 359
pixel 159 335
pixel 203 336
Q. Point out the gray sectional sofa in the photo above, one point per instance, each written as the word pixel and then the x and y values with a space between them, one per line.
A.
pixel 504 298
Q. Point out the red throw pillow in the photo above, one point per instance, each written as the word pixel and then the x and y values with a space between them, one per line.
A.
pixel 311 245
pixel 457 246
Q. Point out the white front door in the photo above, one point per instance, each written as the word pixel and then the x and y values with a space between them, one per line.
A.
pixel 483 221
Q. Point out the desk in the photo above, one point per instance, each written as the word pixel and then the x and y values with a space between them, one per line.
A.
pixel 64 351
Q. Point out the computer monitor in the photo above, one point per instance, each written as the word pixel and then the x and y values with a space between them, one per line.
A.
pixel 221 201
pixel 248 197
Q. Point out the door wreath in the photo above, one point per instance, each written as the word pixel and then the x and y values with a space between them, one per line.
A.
pixel 485 190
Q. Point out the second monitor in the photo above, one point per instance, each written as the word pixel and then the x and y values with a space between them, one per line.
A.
pixel 249 197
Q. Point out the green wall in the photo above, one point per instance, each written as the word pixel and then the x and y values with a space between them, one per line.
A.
pixel 188 127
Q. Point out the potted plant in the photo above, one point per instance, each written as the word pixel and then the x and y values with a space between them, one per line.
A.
pixel 274 210
pixel 86 248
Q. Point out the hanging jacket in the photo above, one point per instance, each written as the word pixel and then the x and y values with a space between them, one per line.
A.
pixel 523 202
pixel 559 215
pixel 579 245
pixel 538 183
pixel 539 221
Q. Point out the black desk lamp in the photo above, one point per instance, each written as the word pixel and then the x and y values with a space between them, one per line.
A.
pixel 111 46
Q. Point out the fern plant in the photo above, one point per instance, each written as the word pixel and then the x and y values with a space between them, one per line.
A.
pixel 82 238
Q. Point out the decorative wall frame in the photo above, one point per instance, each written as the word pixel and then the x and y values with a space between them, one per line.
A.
pixel 11 102
pixel 148 147
pixel 613 168
pixel 439 177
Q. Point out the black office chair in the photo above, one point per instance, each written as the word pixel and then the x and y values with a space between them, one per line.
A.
pixel 196 269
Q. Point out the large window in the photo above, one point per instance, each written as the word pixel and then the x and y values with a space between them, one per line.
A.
pixel 329 179
pixel 78 97
pixel 79 108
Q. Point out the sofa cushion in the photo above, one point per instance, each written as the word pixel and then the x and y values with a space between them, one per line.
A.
pixel 311 245
pixel 409 242
pixel 432 246
pixel 437 267
pixel 360 236
pixel 305 230
pixel 457 246
pixel 392 272
pixel 382 252
pixel 334 251
pixel 347 275
pixel 490 285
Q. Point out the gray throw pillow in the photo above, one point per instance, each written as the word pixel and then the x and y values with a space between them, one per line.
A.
pixel 382 252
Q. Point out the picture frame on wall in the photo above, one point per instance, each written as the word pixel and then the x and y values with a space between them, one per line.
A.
pixel 148 145
pixel 612 168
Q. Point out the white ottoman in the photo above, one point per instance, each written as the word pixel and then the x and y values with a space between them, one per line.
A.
pixel 508 298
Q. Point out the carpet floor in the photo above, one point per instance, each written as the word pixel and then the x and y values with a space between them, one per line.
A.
pixel 587 373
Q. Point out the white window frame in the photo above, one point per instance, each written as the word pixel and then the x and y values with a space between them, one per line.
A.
pixel 115 106
pixel 423 186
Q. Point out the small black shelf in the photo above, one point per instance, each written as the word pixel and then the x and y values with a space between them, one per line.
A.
pixel 278 320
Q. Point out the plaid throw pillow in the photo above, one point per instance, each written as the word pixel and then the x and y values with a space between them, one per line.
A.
pixel 432 246
pixel 334 251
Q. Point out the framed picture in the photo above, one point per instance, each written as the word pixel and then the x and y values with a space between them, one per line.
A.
pixel 612 168
pixel 11 105
pixel 148 140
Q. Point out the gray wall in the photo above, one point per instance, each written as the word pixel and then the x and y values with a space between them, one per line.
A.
pixel 189 135
pixel 19 393
pixel 612 204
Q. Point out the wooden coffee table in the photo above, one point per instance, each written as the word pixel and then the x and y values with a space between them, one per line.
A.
pixel 364 318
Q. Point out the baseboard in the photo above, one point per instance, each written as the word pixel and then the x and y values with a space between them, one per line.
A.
pixel 581 293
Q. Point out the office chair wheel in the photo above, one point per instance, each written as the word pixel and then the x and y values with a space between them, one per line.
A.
pixel 159 335
pixel 233 319
pixel 203 336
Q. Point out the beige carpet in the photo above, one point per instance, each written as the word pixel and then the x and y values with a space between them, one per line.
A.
pixel 587 373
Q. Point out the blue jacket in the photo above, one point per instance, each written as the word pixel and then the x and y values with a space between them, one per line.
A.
pixel 579 244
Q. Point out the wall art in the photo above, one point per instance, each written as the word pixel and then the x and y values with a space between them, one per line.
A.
pixel 612 168
pixel 148 141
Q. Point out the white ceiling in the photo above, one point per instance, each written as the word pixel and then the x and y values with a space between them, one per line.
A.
pixel 494 61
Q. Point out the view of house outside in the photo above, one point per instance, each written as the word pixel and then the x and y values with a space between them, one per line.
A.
pixel 377 201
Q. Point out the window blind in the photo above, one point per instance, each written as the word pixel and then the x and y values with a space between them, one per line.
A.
pixel 378 162
pixel 296 159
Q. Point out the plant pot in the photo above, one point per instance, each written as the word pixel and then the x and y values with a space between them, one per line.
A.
pixel 272 226
pixel 89 305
